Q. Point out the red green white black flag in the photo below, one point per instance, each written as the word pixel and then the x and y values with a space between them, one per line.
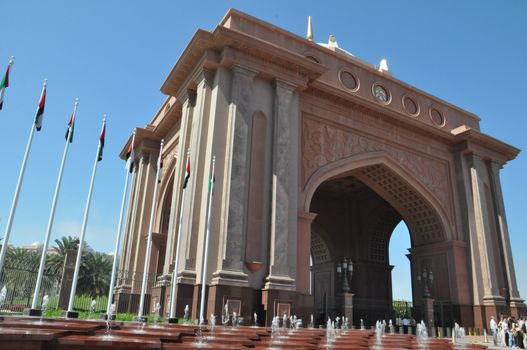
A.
pixel 71 125
pixel 4 83
pixel 130 155
pixel 40 108
pixel 187 173
pixel 101 140
pixel 160 164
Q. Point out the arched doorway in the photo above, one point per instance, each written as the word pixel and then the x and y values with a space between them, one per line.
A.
pixel 358 204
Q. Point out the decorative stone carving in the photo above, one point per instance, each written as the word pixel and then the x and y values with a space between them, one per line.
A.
pixel 324 144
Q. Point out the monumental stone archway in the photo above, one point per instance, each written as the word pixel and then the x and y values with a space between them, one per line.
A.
pixel 318 156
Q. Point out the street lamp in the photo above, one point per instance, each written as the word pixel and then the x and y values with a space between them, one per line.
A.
pixel 345 272
pixel 427 279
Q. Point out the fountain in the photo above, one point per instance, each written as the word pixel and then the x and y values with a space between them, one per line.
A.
pixel 422 335
pixel 45 302
pixel 391 327
pixel 330 333
pixel 93 307
pixel 3 295
pixel 157 315
pixel 284 322
pixel 234 319
pixel 255 319
pixel 225 316
pixel 311 323
pixel 109 320
pixel 362 324
pixel 200 338
pixel 186 316
pixel 275 331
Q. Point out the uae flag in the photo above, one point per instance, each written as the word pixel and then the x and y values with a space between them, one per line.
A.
pixel 40 109
pixel 101 141
pixel 4 84
pixel 159 167
pixel 71 127
pixel 187 174
pixel 130 156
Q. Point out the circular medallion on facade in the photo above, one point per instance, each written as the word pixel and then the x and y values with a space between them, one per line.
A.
pixel 381 93
pixel 348 80
pixel 410 106
pixel 437 117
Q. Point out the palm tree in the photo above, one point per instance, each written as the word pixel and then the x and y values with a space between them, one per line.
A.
pixel 55 262
pixel 94 277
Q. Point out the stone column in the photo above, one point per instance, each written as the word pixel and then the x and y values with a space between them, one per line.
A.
pixel 233 240
pixel 480 234
pixel 128 235
pixel 284 189
pixel 303 251
pixel 428 312
pixel 200 152
pixel 515 299
pixel 67 278
pixel 131 238
pixel 188 98
pixel 149 163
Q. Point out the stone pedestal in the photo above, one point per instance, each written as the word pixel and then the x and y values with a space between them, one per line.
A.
pixel 346 305
pixel 67 278
pixel 428 311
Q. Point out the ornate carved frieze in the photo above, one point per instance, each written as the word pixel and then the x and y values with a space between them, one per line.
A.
pixel 324 143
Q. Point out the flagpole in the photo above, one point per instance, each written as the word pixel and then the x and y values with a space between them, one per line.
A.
pixel 51 218
pixel 206 248
pixel 178 248
pixel 17 192
pixel 118 238
pixel 70 312
pixel 149 242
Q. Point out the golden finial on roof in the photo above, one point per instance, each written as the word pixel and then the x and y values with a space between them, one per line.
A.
pixel 309 29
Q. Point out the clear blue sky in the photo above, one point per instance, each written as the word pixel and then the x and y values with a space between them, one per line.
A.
pixel 115 55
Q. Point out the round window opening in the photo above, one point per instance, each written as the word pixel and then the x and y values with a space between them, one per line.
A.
pixel 381 94
pixel 348 80
pixel 410 106
pixel 437 117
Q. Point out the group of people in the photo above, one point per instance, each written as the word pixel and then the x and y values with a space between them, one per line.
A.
pixel 509 332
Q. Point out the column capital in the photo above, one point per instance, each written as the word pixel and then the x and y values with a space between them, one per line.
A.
pixel 284 85
pixel 307 217
pixel 187 96
pixel 239 69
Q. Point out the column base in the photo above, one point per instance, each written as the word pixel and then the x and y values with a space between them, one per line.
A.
pixel 346 304
pixel 231 278
pixel 72 314
pixel 33 312
pixel 142 319
pixel 277 282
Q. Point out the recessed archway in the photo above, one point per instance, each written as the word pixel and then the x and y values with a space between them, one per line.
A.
pixel 357 212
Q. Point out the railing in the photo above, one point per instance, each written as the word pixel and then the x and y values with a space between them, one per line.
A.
pixel 19 287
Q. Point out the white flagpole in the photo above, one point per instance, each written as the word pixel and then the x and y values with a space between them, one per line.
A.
pixel 118 238
pixel 149 242
pixel 83 230
pixel 14 204
pixel 52 216
pixel 206 247
pixel 178 246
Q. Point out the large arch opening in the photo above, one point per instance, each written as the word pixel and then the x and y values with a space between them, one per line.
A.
pixel 357 213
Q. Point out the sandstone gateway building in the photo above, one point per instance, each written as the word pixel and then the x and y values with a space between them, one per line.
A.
pixel 319 156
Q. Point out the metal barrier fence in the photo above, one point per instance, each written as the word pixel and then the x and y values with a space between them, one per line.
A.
pixel 19 286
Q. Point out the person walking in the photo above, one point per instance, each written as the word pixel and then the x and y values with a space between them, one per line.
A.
pixel 493 330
